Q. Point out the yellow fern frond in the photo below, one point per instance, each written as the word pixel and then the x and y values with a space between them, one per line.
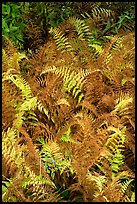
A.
pixel 20 83
pixel 122 104
pixel 73 81
pixel 61 41
pixel 80 26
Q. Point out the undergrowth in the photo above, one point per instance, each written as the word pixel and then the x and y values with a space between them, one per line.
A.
pixel 68 115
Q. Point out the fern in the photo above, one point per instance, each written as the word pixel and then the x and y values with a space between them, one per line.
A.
pixel 101 13
pixel 61 41
pixel 25 107
pixel 125 185
pixel 122 105
pixel 117 44
pixel 115 145
pixel 32 179
pixel 66 137
pixel 53 159
pixel 99 182
pixel 81 28
pixel 73 81
pixel 20 83
pixel 98 50
pixel 45 110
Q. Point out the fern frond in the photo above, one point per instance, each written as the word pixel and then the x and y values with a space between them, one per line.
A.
pixel 66 137
pixel 45 110
pixel 73 81
pixel 116 139
pixel 33 179
pixel 12 61
pixel 61 41
pixel 63 101
pixel 53 159
pixel 12 153
pixel 99 181
pixel 125 185
pixel 117 44
pixel 20 83
pixel 27 106
pixel 81 28
pixel 101 13
pixel 98 50
pixel 115 145
pixel 122 105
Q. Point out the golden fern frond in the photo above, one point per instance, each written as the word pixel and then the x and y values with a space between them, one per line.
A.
pixel 20 83
pixel 98 50
pixel 131 199
pixel 125 185
pixel 116 139
pixel 12 61
pixel 63 101
pixel 25 107
pixel 122 105
pixel 117 43
pixel 98 181
pixel 101 13
pixel 12 152
pixel 61 41
pixel 81 28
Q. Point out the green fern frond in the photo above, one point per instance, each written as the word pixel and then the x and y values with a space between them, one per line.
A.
pixel 116 162
pixel 66 137
pixel 5 185
pixel 53 159
pixel 33 179
pixel 61 41
pixel 81 28
pixel 115 145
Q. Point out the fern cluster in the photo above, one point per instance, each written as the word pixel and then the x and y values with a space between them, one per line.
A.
pixel 73 121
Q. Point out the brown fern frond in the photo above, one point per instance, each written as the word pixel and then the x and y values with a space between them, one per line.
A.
pixel 34 32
